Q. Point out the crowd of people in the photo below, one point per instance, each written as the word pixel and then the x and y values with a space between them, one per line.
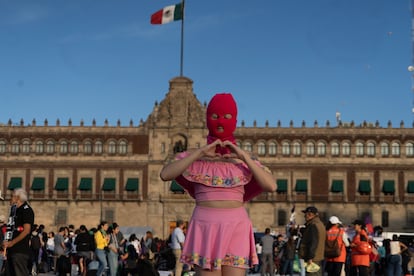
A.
pixel 332 249
pixel 101 250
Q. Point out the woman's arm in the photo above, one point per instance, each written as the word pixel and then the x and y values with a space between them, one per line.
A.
pixel 403 246
pixel 262 176
pixel 176 168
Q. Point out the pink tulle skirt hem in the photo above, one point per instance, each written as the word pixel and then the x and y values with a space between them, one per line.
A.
pixel 217 237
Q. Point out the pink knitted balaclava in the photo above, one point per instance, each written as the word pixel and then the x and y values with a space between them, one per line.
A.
pixel 220 126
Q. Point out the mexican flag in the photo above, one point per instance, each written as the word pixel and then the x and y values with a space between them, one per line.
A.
pixel 168 14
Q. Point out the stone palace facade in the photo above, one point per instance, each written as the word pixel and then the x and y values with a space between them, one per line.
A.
pixel 86 173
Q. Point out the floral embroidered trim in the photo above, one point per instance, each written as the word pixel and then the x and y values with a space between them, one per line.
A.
pixel 228 260
pixel 216 181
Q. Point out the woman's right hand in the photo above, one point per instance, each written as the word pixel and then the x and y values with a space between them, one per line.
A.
pixel 209 150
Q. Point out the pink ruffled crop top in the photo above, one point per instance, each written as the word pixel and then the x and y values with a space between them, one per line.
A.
pixel 218 180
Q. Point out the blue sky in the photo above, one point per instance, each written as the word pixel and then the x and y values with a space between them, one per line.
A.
pixel 282 59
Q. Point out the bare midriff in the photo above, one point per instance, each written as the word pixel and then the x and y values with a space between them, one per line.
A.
pixel 220 203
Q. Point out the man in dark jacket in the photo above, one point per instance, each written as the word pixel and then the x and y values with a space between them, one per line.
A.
pixel 312 246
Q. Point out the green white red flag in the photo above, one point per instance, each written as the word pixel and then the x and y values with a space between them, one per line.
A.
pixel 168 14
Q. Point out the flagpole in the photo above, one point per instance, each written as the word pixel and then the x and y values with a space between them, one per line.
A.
pixel 182 39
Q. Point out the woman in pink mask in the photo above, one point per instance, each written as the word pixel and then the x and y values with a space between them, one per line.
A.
pixel 220 176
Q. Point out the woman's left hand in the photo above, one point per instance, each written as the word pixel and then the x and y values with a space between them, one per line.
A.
pixel 236 152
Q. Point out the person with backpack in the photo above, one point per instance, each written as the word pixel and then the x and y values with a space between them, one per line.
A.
pixel 35 245
pixel 335 247
pixel 130 261
pixel 84 244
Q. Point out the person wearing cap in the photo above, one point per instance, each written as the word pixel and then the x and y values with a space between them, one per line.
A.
pixel 359 262
pixel 334 266
pixel 312 245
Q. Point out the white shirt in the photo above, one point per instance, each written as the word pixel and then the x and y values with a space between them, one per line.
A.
pixel 177 237
pixel 345 239
pixel 50 244
pixel 395 247
pixel 258 248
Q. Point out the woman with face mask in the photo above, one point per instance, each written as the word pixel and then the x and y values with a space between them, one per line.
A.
pixel 220 176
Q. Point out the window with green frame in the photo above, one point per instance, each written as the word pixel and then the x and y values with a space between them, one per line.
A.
pixel 132 185
pixel 38 184
pixel 62 184
pixel 109 184
pixel 176 188
pixel 282 185
pixel 337 186
pixel 364 187
pixel 15 182
pixel 85 184
pixel 388 187
pixel 301 185
pixel 410 187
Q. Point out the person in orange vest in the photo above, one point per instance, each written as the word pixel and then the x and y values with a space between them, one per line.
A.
pixel 359 261
pixel 334 266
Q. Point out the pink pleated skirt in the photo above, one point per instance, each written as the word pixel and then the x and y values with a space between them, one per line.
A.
pixel 217 237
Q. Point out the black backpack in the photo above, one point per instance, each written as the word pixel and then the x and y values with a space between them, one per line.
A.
pixel 35 243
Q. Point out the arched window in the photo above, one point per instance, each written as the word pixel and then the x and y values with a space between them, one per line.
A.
pixel 15 147
pixel 26 146
pixel 2 147
pixel 39 147
pixel 74 147
pixel 385 149
pixel 261 148
pixel 111 147
pixel 395 149
pixel 123 147
pixel 87 147
pixel 162 147
pixel 297 149
pixel 310 149
pixel 285 148
pixel 238 143
pixel 50 147
pixel 248 147
pixel 98 147
pixel 335 149
pixel 346 149
pixel 272 148
pixel 409 149
pixel 359 148
pixel 370 149
pixel 321 149
pixel 63 147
